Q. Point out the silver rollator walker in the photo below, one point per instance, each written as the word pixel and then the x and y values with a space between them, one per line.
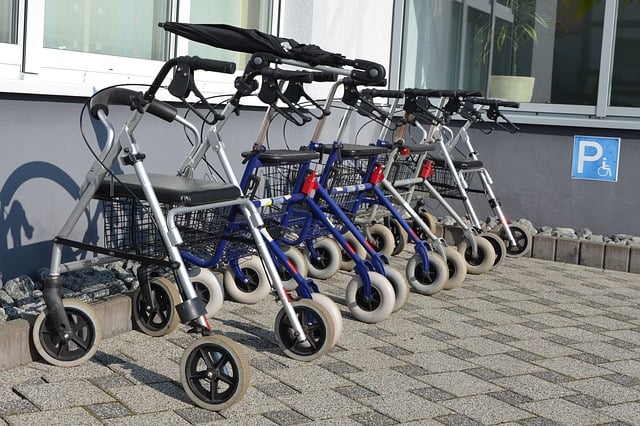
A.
pixel 213 369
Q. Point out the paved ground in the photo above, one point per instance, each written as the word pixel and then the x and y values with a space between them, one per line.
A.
pixel 532 342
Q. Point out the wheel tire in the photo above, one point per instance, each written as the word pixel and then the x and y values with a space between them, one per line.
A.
pixel 329 259
pixel 164 319
pixel 296 257
pixel 381 238
pixel 400 236
pixel 523 240
pixel 334 311
pixel 430 220
pixel 457 268
pixel 228 372
pixel 317 324
pixel 208 288
pixel 427 282
pixel 486 256
pixel 401 287
pixel 382 299
pixel 498 245
pixel 348 264
pixel 253 291
pixel 86 330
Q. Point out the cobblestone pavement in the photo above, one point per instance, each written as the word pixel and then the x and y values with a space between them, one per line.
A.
pixel 531 342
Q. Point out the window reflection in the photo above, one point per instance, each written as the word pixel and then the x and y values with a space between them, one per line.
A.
pixel 625 85
pixel 118 27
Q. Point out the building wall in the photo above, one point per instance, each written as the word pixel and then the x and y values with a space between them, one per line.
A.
pixel 44 161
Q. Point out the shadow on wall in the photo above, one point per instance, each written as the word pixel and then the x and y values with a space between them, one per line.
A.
pixel 20 256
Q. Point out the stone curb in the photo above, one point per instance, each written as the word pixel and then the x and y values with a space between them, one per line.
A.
pixel 616 257
pixel 16 347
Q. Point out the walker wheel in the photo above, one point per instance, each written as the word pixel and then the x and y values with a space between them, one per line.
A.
pixel 84 337
pixel 251 288
pixel 163 318
pixel 317 324
pixel 371 309
pixel 214 372
pixel 523 240
pixel 499 247
pixel 400 236
pixel 427 281
pixel 328 260
pixel 381 238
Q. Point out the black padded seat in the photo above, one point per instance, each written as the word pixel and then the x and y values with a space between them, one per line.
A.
pixel 284 156
pixel 170 189
pixel 355 151
pixel 458 164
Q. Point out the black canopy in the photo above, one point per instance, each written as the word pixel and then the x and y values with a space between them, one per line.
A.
pixel 253 41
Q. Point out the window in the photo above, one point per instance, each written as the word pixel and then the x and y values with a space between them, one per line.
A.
pixel 73 47
pixel 580 55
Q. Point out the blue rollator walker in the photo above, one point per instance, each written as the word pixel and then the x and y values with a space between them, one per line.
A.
pixel 354 176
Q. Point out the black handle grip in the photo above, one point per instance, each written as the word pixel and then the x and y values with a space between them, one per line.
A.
pixel 325 76
pixel 279 74
pixel 121 96
pixel 438 93
pixel 213 65
pixel 379 93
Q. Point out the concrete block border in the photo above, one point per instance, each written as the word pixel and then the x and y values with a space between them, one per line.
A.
pixel 16 347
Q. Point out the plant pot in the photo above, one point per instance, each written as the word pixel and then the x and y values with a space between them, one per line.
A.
pixel 511 87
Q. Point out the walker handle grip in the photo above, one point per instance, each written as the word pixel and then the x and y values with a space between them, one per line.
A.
pixel 121 96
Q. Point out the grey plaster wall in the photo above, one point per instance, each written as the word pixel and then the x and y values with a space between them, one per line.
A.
pixel 44 161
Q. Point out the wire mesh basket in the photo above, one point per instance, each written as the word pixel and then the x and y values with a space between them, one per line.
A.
pixel 443 181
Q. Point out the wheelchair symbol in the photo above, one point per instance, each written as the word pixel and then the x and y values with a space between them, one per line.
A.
pixel 604 169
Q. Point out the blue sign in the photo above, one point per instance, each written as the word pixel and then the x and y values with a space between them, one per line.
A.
pixel 595 158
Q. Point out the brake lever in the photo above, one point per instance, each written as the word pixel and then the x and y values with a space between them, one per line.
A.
pixel 295 91
pixel 270 93
pixel 494 113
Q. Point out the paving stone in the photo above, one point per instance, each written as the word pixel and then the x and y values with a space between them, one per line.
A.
pixel 151 398
pixel 59 417
pixel 561 411
pixel 308 377
pixel 324 405
pixel 433 394
pixel 285 417
pixel 572 367
pixel 196 415
pixel 506 365
pixel 481 346
pixel 630 368
pixel 458 420
pixel 460 383
pixel 544 348
pixel 11 406
pixel 533 387
pixel 486 410
pixel 150 419
pixel 629 413
pixel 109 410
pixel 606 390
pixel 56 396
pixel 406 407
pixel 384 381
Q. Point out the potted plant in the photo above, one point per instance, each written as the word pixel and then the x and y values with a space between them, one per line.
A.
pixel 508 38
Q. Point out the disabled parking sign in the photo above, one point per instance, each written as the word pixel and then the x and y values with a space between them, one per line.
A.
pixel 595 158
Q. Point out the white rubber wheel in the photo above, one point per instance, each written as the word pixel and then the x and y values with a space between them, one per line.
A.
pixel 457 268
pixel 214 372
pixel 483 262
pixel 163 319
pixel 429 281
pixel 430 220
pixel 209 288
pixel 334 311
pixel 378 307
pixel 499 248
pixel 400 285
pixel 381 238
pixel 296 257
pixel 523 240
pixel 348 264
pixel 86 335
pixel 328 261
pixel 317 324
pixel 257 286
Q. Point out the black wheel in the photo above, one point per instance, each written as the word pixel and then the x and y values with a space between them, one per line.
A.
pixel 347 263
pixel 318 327
pixel 430 280
pixel 214 372
pixel 523 240
pixel 430 220
pixel 499 247
pixel 400 236
pixel 328 260
pixel 83 340
pixel 298 261
pixel 163 318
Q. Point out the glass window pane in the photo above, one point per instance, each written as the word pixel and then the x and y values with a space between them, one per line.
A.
pixel 117 27
pixel 625 84
pixel 8 21
pixel 576 52
pixel 431 43
pixel 254 14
